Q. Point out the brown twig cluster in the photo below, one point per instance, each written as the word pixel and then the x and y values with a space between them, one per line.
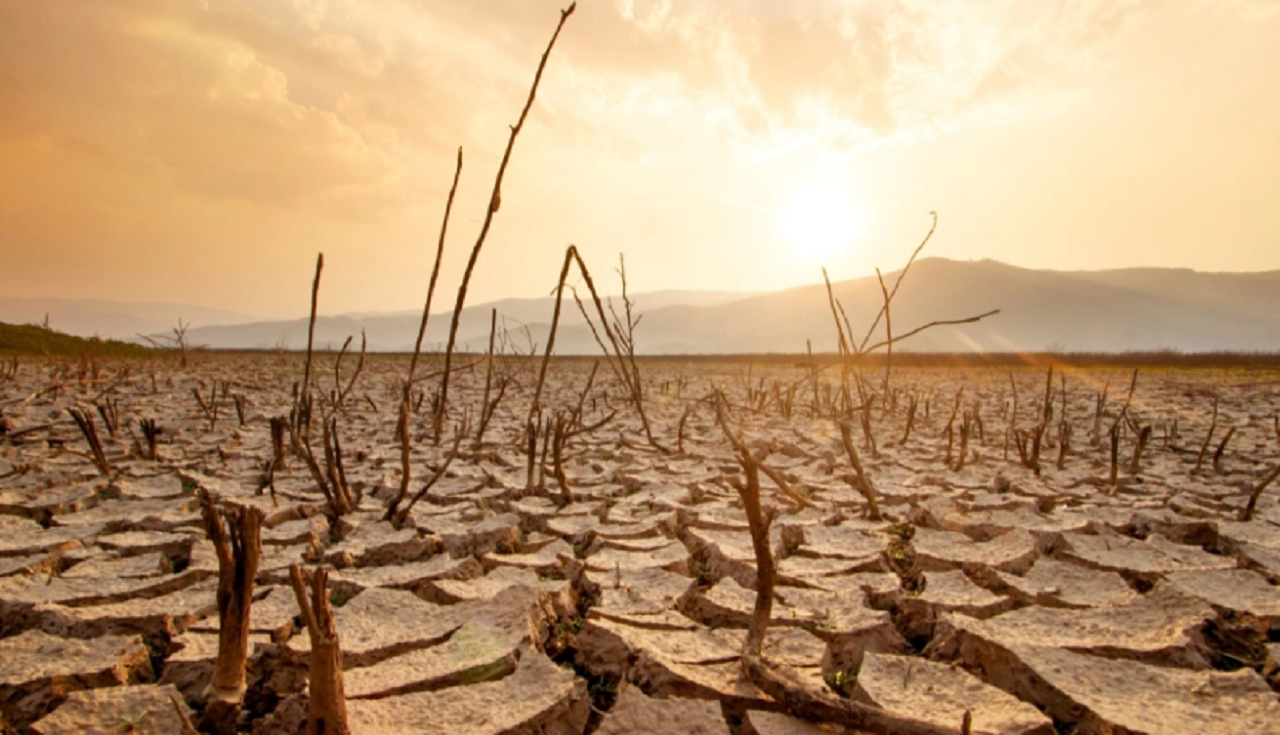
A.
pixel 84 420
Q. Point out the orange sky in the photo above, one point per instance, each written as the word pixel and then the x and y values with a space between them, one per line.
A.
pixel 204 150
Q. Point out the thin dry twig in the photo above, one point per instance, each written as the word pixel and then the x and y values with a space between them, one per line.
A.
pixel 435 271
pixel 1246 513
pixel 864 482
pixel 495 201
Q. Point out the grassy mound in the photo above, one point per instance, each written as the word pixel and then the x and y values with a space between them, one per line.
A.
pixel 29 339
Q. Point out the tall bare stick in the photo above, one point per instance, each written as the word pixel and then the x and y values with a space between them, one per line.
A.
pixel 495 201
pixel 888 334
pixel 435 273
pixel 311 326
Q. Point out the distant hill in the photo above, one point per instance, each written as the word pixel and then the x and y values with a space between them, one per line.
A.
pixel 397 331
pixel 29 339
pixel 1135 309
pixel 112 319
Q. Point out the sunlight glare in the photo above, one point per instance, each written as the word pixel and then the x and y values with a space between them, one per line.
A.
pixel 821 222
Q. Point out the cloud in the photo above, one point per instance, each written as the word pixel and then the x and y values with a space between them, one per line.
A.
pixel 329 104
pixel 143 86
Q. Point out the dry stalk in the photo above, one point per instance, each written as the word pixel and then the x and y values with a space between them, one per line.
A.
pixel 151 431
pixel 780 683
pixel 1064 442
pixel 1099 408
pixel 1247 513
pixel 435 272
pixel 332 479
pixel 1222 448
pixel 884 309
pixel 913 402
pixel 863 482
pixel 240 403
pixel 84 420
pixel 311 330
pixel 1114 435
pixel 327 701
pixel 620 352
pixel 1213 424
pixel 1144 435
pixel 399 518
pixel 1124 410
pixel 488 377
pixel 888 333
pixel 1046 411
pixel 9 370
pixel 109 410
pixel 210 408
pixel 341 393
pixel 406 471
pixel 684 419
pixel 238 546
pixel 495 201
pixel 740 448
pixel 964 440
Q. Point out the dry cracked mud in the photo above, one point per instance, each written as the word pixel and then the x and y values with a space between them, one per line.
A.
pixel 1036 587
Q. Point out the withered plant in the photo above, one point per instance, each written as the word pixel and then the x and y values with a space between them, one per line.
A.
pixel 781 683
pixel 740 447
pixel 619 350
pixel 84 420
pixel 332 478
pixel 177 342
pixel 503 370
pixel 109 410
pixel 861 480
pixel 393 513
pixel 495 202
pixel 151 432
pixel 326 697
pixel 211 407
pixel 1208 437
pixel 238 545
pixel 1246 514
pixel 338 395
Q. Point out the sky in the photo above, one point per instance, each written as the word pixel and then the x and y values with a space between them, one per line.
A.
pixel 203 151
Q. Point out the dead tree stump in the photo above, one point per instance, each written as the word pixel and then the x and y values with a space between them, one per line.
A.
pixel 327 702
pixel 238 545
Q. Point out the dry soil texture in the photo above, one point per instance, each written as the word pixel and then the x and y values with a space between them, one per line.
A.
pixel 1018 573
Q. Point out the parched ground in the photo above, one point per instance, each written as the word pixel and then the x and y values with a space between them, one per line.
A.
pixel 1018 573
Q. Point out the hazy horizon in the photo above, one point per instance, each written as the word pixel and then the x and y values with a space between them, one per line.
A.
pixel 156 151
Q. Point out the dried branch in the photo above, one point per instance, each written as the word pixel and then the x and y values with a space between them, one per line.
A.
pixel 459 434
pixel 435 271
pixel 884 310
pixel 495 201
pixel 311 326
pixel 340 392
pixel 931 325
pixel 864 482
pixel 1247 513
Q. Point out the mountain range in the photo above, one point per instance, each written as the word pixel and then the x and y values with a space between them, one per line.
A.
pixel 1132 309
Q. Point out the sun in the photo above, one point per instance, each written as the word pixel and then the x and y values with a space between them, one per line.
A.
pixel 821 221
